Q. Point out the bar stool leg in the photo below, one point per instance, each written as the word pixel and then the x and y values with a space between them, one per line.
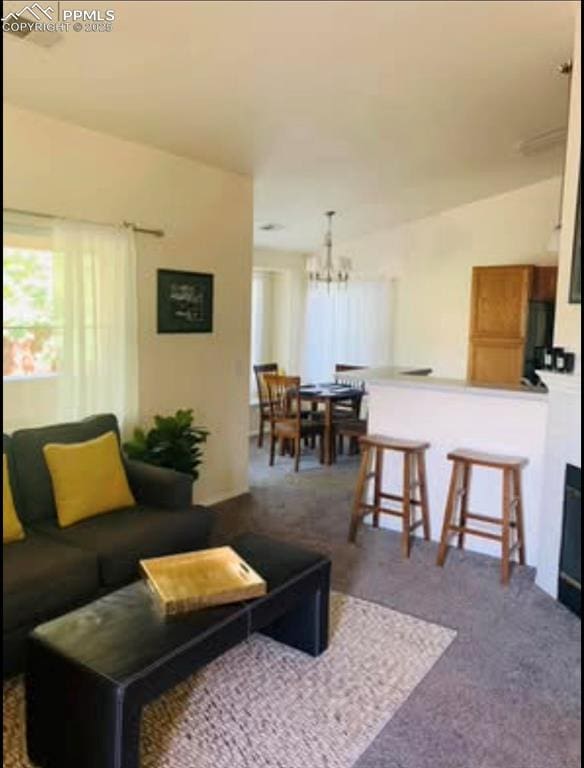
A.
pixel 407 510
pixel 449 513
pixel 422 478
pixel 506 543
pixel 361 482
pixel 519 514
pixel 466 470
pixel 378 482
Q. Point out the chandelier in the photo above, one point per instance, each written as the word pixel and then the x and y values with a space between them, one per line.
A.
pixel 324 269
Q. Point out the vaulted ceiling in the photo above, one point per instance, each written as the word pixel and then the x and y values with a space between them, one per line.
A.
pixel 384 111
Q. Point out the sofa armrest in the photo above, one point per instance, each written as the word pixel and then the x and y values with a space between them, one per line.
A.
pixel 158 486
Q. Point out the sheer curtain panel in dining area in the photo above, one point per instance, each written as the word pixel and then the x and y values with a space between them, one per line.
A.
pixel 347 323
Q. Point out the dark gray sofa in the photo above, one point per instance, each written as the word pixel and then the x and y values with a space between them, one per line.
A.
pixel 56 569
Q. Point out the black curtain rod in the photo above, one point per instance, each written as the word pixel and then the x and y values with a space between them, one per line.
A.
pixel 131 225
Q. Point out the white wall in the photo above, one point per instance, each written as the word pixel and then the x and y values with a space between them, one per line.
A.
pixel 58 168
pixel 564 429
pixel 431 260
pixel 569 316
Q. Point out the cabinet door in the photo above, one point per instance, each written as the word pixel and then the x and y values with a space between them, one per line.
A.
pixel 545 282
pixel 496 362
pixel 500 298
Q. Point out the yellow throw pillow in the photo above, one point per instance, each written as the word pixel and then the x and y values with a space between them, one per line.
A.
pixel 11 527
pixel 88 478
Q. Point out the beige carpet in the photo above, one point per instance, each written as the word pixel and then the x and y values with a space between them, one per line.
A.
pixel 263 705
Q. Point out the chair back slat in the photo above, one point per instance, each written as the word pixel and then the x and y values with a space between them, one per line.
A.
pixel 341 368
pixel 283 396
pixel 260 372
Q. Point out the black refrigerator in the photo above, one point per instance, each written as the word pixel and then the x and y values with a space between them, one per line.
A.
pixel 540 334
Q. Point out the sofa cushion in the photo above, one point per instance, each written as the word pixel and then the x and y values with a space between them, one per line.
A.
pixel 122 538
pixel 43 578
pixel 32 488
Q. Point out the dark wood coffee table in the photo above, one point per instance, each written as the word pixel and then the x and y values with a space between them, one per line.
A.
pixel 90 672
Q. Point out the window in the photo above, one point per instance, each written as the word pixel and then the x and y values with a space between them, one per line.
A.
pixel 262 295
pixel 69 308
pixel 30 334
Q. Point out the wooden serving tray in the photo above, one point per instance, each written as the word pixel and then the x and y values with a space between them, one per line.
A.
pixel 193 580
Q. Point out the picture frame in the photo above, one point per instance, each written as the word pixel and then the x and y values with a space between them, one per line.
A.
pixel 575 276
pixel 184 301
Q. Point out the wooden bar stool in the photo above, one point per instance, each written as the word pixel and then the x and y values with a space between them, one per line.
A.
pixel 414 478
pixel 512 506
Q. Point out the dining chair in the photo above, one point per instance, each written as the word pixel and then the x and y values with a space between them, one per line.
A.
pixel 347 421
pixel 288 424
pixel 341 368
pixel 351 408
pixel 352 429
pixel 263 399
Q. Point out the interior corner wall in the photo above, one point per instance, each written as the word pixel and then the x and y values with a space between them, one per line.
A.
pixel 61 169
pixel 569 316
pixel 430 262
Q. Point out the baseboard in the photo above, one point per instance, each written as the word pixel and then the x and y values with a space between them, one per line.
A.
pixel 218 498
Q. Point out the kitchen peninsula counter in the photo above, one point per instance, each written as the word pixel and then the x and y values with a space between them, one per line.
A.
pixel 423 377
pixel 451 414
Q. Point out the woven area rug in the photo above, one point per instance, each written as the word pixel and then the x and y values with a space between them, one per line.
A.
pixel 263 705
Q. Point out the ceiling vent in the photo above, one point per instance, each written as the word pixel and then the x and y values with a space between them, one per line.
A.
pixel 271 227
pixel 17 30
pixel 543 142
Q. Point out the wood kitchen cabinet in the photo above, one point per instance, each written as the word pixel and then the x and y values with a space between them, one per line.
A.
pixel 545 284
pixel 500 302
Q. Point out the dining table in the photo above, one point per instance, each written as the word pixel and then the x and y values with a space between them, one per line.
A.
pixel 328 394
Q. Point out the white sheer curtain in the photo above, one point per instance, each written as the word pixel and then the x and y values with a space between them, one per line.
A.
pixel 347 324
pixel 262 321
pixel 95 270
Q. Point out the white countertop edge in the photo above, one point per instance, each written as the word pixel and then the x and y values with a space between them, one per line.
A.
pixel 568 383
pixel 395 377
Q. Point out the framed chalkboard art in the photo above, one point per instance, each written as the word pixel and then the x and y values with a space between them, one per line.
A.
pixel 185 302
pixel 575 279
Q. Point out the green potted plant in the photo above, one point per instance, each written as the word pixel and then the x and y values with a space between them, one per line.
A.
pixel 173 442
